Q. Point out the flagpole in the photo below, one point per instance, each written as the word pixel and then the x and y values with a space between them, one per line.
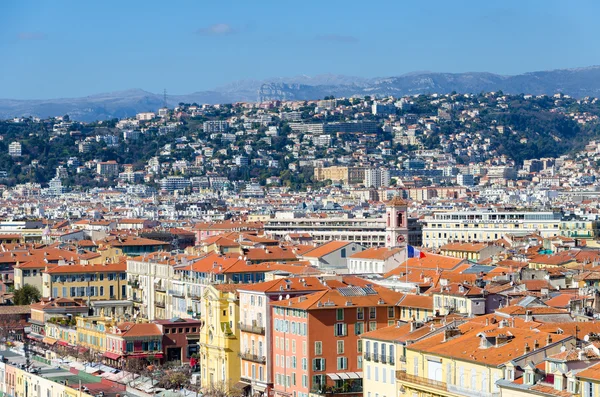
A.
pixel 406 261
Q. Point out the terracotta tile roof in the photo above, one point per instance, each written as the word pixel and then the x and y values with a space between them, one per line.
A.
pixel 560 301
pixel 466 347
pixel 19 309
pixel 334 299
pixel 131 241
pixel 293 284
pixel 120 266
pixel 578 329
pixel 141 329
pixel 456 289
pixel 535 310
pixel 326 249
pixel 592 373
pixel 416 301
pixel 430 262
pixel 376 253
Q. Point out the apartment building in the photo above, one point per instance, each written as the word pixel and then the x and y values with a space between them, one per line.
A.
pixel 486 226
pixel 106 281
pixel 317 347
pixel 152 286
pixel 377 177
pixel 346 175
pixel 469 359
pixel 256 336
pixel 107 168
pixel 14 149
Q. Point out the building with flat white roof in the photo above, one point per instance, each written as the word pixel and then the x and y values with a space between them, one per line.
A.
pixel 470 226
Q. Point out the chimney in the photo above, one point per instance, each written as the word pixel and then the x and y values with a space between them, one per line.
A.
pixel 536 345
pixel 487 321
pixel 549 339
pixel 450 333
pixel 528 316
pixel 501 339
pixel 581 355
pixel 527 348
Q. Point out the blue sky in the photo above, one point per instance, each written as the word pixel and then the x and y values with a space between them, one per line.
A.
pixel 74 48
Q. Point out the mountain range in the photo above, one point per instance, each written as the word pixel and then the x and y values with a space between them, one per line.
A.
pixel 578 82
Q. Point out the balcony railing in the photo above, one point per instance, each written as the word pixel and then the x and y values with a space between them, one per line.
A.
pixel 253 357
pixel 420 381
pixel 254 328
pixel 464 391
pixel 178 294
pixel 160 304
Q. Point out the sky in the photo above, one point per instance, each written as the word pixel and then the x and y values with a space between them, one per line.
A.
pixel 63 48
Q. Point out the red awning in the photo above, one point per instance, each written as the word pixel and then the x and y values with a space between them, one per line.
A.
pixel 145 355
pixel 112 356
pixel 63 343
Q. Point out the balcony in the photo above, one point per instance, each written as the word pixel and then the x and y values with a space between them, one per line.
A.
pixel 419 382
pixel 254 328
pixel 160 288
pixel 177 294
pixel 160 304
pixel 253 357
pixel 463 391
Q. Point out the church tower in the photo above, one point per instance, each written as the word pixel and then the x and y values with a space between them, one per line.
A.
pixel 396 219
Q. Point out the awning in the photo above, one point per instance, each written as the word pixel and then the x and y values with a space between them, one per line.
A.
pixel 241 385
pixel 35 337
pixel 345 375
pixel 63 343
pixel 145 355
pixel 112 356
pixel 49 341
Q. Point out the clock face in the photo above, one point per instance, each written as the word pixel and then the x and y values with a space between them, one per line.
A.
pixel 400 238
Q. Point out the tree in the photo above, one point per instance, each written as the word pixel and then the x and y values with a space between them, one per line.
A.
pixel 27 295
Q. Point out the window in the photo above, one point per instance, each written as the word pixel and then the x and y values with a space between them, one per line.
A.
pixel 359 328
pixel 360 313
pixel 359 362
pixel 318 348
pixel 340 329
pixel 372 325
pixel 318 364
pixel 376 373
pixel 340 347
pixel 391 312
pixel 342 363
pixel 372 313
pixel 339 314
pixel 359 346
pixel 343 253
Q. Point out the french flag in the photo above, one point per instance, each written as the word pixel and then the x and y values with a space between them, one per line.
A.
pixel 414 253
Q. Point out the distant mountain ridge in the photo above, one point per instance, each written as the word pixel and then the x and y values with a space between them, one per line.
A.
pixel 578 82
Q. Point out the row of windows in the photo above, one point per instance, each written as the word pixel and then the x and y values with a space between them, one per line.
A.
pixel 89 277
pixel 88 291
pixel 290 312
pixel 384 377
pixel 293 328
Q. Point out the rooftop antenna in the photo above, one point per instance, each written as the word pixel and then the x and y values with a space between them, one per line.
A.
pixel 165 98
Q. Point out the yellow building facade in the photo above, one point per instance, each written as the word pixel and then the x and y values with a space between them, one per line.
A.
pixel 220 337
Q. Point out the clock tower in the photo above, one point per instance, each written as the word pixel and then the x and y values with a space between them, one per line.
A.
pixel 396 223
